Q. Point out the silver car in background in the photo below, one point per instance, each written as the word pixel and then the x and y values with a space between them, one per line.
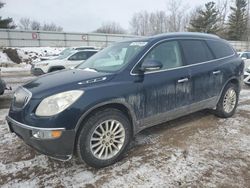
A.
pixel 246 57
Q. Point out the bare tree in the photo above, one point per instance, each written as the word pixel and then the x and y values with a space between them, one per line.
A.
pixel 135 25
pixel 28 24
pixel 223 9
pixel 51 27
pixel 145 23
pixel 111 28
pixel 140 23
pixel 223 6
pixel 173 20
pixel 25 23
pixel 158 22
pixel 35 25
pixel 177 16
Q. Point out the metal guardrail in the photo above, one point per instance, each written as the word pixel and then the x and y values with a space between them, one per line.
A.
pixel 23 38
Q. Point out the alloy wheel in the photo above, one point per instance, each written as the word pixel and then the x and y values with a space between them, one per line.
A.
pixel 107 139
pixel 229 101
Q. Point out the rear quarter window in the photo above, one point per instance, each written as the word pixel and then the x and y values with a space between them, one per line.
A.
pixel 220 49
pixel 196 51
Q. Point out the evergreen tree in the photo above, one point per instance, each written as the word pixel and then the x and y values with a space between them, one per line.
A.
pixel 6 23
pixel 237 23
pixel 205 20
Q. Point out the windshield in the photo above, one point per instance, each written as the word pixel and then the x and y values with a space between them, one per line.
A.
pixel 65 53
pixel 113 58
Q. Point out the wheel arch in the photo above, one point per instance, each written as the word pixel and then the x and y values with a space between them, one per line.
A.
pixel 233 80
pixel 122 106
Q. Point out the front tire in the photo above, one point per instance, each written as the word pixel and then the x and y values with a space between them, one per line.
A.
pixel 104 138
pixel 228 101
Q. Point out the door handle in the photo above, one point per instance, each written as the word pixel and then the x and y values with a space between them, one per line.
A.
pixel 183 80
pixel 216 72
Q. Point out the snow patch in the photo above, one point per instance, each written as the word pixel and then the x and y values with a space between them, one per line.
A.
pixel 244 107
pixel 4 59
pixel 31 54
pixel 17 68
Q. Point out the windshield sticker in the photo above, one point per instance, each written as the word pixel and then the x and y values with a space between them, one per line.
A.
pixel 138 44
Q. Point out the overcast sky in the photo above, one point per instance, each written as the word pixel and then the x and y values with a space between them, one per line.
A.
pixel 83 15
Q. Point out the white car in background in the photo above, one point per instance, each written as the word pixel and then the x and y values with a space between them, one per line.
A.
pixel 67 50
pixel 247 76
pixel 68 60
pixel 246 57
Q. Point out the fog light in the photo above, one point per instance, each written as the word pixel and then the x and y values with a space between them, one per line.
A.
pixel 42 134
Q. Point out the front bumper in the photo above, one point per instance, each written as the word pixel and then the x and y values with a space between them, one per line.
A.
pixel 60 148
pixel 37 71
pixel 246 77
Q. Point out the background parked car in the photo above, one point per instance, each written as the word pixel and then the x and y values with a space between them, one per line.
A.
pixel 67 50
pixel 246 57
pixel 247 76
pixel 68 60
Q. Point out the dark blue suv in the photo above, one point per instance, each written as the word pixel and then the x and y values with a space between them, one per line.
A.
pixel 96 108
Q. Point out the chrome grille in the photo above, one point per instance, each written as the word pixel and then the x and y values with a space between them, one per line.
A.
pixel 21 97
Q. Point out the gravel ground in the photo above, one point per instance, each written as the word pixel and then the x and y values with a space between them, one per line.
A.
pixel 198 150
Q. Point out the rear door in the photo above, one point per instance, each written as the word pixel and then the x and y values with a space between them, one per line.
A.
pixel 206 73
pixel 224 65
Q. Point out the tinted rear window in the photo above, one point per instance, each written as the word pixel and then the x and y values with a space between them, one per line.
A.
pixel 220 49
pixel 196 51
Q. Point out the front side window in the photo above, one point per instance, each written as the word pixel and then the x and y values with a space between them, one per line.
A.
pixel 167 53
pixel 196 51
pixel 113 58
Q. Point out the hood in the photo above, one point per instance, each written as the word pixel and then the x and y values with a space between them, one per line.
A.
pixel 65 80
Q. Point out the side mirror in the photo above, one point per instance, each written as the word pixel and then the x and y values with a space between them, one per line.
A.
pixel 244 58
pixel 151 65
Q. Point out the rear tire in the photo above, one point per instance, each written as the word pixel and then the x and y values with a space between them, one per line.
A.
pixel 228 101
pixel 104 138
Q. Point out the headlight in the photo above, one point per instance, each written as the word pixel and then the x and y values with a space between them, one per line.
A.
pixel 57 103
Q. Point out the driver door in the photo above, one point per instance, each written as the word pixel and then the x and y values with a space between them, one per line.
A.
pixel 167 89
